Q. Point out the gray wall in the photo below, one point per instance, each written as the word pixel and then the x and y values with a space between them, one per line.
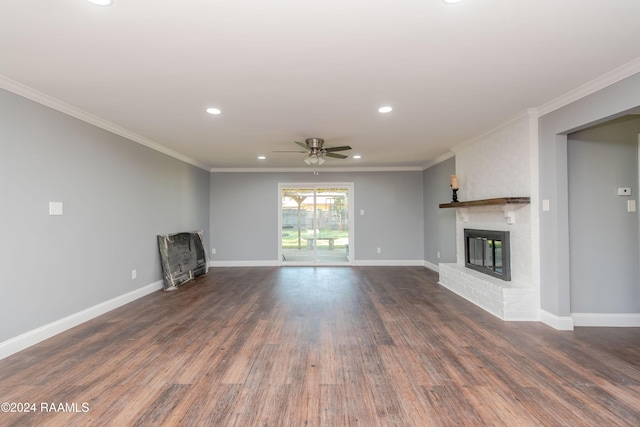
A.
pixel 608 103
pixel 439 224
pixel 603 235
pixel 117 195
pixel 244 213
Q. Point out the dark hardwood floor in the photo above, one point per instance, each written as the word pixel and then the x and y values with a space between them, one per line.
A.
pixel 335 346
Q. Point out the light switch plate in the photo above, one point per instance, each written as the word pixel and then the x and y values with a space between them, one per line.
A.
pixel 631 205
pixel 55 208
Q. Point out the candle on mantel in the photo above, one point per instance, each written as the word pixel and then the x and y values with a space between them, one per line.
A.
pixel 454 182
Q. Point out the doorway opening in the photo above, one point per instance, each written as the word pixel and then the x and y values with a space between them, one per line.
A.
pixel 315 225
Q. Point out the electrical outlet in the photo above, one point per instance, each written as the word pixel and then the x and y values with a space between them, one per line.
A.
pixel 213 251
pixel 379 250
pixel 134 274
pixel 438 254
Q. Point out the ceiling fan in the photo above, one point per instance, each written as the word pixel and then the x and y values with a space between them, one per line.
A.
pixel 315 153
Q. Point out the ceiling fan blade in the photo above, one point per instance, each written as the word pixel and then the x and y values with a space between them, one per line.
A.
pixel 337 156
pixel 343 148
pixel 303 145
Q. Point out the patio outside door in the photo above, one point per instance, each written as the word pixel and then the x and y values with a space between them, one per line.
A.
pixel 315 226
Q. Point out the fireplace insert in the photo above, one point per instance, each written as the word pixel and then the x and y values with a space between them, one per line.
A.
pixel 488 252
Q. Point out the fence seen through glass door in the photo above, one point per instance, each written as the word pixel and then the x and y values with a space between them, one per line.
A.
pixel 315 225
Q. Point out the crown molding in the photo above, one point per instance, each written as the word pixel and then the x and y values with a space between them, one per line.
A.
pixel 56 104
pixel 587 89
pixel 324 170
pixel 614 76
pixel 522 115
pixel 438 160
pixel 532 114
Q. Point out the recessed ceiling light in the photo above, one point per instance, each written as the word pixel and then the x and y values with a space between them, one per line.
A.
pixel 451 1
pixel 213 111
pixel 385 109
pixel 357 156
pixel 262 158
pixel 101 2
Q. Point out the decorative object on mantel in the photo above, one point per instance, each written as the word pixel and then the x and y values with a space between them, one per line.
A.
pixel 508 204
pixel 454 187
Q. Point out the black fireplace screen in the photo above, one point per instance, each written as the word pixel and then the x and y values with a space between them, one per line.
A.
pixel 182 256
pixel 487 251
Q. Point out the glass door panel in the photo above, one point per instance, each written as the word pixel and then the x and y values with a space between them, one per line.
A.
pixel 297 205
pixel 314 225
pixel 332 225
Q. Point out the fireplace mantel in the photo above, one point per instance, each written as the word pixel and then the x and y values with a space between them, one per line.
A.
pixel 508 204
pixel 488 202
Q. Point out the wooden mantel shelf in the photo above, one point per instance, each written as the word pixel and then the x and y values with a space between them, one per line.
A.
pixel 488 202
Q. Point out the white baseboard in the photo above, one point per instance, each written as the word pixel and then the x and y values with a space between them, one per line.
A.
pixel 360 263
pixel 614 320
pixel 35 336
pixel 268 263
pixel 432 266
pixel 564 323
pixel 389 263
pixel 617 320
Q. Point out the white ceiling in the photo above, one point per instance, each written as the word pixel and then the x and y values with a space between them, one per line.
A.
pixel 286 70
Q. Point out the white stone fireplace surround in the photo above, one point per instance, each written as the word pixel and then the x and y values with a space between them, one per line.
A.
pixel 509 300
pixel 500 163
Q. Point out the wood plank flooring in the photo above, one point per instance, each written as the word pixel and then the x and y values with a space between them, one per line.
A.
pixel 328 346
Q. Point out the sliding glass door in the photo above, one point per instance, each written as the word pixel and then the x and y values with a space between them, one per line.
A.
pixel 315 223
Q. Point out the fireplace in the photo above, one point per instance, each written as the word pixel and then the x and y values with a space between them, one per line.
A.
pixel 488 252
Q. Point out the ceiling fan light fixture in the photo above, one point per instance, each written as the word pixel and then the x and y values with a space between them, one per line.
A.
pixel 313 159
pixel 315 152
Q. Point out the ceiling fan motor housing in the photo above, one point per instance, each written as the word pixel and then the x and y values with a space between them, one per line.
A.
pixel 315 144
